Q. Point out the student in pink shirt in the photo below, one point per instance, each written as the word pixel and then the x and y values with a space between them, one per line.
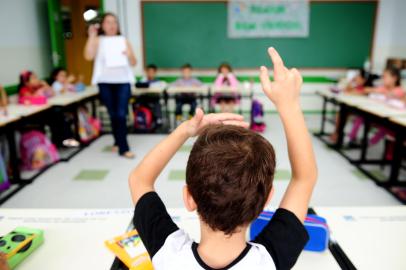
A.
pixel 392 89
pixel 226 78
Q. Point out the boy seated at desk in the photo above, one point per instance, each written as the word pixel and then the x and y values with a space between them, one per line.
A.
pixel 3 101
pixel 181 99
pixel 229 181
pixel 151 101
pixel 62 82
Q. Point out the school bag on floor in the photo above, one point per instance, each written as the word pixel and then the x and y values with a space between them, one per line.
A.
pixel 257 116
pixel 143 119
pixel 89 127
pixel 37 151
pixel 4 182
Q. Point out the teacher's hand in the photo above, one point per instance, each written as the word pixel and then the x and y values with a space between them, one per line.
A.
pixel 93 30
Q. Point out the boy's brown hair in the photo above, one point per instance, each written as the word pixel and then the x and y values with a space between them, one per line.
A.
pixel 229 175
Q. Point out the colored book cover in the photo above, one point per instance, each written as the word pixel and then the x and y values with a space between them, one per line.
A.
pixel 131 251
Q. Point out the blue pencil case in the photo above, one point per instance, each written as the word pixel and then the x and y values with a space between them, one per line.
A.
pixel 316 227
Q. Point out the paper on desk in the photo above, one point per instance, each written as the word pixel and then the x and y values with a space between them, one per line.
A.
pixel 113 48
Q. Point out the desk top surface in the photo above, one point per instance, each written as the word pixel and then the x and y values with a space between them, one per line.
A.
pixel 372 237
pixel 75 237
pixel 401 120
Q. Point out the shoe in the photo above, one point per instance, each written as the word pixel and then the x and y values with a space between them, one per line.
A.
pixel 71 143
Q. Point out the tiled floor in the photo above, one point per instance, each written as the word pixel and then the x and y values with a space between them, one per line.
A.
pixel 97 178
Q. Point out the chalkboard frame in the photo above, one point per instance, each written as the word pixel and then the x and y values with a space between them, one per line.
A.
pixel 372 43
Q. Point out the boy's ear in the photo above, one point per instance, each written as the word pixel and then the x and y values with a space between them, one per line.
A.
pixel 270 195
pixel 188 200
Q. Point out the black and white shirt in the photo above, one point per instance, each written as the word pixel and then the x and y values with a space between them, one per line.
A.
pixel 277 247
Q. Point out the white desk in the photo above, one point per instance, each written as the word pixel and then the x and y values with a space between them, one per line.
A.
pixel 229 90
pixel 354 100
pixel 145 91
pixel 74 239
pixel 381 109
pixel 202 90
pixel 372 237
pixel 25 110
pixel 7 119
pixel 401 120
pixel 68 98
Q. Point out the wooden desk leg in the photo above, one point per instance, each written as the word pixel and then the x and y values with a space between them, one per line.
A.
pixel 10 135
pixel 397 158
pixel 341 125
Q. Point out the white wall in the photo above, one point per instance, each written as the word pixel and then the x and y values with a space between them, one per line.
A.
pixel 24 39
pixel 390 35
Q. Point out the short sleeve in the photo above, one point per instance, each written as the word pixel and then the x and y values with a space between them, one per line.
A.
pixel 284 237
pixel 153 222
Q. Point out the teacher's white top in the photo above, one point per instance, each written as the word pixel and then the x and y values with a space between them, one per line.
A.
pixel 111 64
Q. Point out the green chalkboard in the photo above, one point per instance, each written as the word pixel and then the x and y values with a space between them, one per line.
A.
pixel 340 36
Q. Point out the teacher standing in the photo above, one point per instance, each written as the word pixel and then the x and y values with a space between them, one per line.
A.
pixel 114 82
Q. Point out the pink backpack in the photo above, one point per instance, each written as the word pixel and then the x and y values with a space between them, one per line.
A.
pixel 89 127
pixel 37 151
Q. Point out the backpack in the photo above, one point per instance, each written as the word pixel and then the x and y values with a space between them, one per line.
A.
pixel 143 119
pixel 37 151
pixel 4 182
pixel 89 127
pixel 257 116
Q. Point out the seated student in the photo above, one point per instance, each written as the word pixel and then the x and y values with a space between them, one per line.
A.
pixel 31 86
pixel 3 100
pixel 62 133
pixel 357 86
pixel 229 181
pixel 226 77
pixel 150 79
pixel 182 99
pixel 61 82
pixel 392 89
pixel 151 101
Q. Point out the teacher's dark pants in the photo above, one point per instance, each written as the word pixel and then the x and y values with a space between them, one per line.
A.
pixel 115 96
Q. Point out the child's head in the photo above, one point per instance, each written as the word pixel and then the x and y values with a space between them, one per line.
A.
pixel 60 75
pixel 28 79
pixel 391 77
pixel 186 71
pixel 229 177
pixel 151 71
pixel 224 69
pixel 109 25
pixel 361 78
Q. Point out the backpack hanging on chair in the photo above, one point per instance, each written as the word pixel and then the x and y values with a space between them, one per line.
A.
pixel 143 119
pixel 89 127
pixel 257 116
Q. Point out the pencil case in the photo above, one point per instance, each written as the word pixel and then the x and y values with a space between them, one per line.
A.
pixel 32 100
pixel 316 227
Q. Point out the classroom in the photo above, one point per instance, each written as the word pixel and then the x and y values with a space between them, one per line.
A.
pixel 202 134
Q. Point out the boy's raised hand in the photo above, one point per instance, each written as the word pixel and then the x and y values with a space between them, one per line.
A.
pixel 284 91
pixel 200 120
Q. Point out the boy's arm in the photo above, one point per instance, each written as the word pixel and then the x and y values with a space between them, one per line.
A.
pixel 284 92
pixel 143 177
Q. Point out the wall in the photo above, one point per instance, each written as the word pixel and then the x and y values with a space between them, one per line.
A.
pixel 390 35
pixel 24 42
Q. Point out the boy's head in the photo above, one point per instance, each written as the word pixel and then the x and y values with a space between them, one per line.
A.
pixel 186 70
pixel 151 71
pixel 229 177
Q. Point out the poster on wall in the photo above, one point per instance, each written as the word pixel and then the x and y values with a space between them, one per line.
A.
pixel 268 18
